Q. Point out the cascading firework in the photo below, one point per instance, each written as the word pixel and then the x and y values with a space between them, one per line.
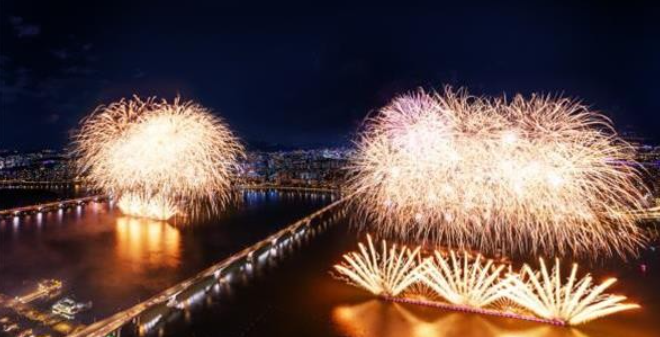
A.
pixel 573 300
pixel 467 283
pixel 463 280
pixel 539 174
pixel 387 273
pixel 158 158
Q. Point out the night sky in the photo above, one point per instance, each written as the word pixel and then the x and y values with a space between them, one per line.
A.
pixel 308 76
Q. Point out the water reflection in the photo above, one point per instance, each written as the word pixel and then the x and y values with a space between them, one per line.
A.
pixel 376 318
pixel 147 241
pixel 118 261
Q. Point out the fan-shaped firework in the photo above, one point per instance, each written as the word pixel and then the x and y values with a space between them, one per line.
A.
pixel 573 301
pixel 159 158
pixel 464 280
pixel 387 273
pixel 538 174
pixel 460 282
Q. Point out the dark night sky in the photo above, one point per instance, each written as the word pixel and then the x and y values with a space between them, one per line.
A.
pixel 308 76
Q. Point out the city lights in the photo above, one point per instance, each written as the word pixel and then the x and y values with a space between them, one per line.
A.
pixel 372 170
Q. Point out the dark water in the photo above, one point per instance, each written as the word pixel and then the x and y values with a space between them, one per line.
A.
pixel 117 261
pixel 299 297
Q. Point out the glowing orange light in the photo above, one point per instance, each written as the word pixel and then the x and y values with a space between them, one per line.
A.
pixel 471 284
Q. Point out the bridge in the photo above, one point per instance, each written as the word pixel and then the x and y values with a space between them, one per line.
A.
pixel 321 189
pixel 148 313
pixel 50 206
pixel 152 311
pixel 38 184
pixel 68 203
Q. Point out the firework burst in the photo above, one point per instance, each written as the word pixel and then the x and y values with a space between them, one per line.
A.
pixel 158 158
pixel 573 301
pixel 525 175
pixel 463 280
pixel 386 273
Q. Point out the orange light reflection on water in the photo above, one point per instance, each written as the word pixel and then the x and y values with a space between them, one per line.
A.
pixel 376 318
pixel 144 240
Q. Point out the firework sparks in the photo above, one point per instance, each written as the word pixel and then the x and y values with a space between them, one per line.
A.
pixel 158 158
pixel 387 273
pixel 156 207
pixel 575 301
pixel 463 280
pixel 538 174
pixel 469 284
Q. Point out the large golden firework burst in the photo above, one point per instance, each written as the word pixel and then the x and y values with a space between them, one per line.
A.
pixel 158 158
pixel 539 174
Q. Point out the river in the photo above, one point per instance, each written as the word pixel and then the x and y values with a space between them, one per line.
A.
pixel 118 261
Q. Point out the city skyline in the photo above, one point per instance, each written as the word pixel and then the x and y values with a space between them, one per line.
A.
pixel 363 170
